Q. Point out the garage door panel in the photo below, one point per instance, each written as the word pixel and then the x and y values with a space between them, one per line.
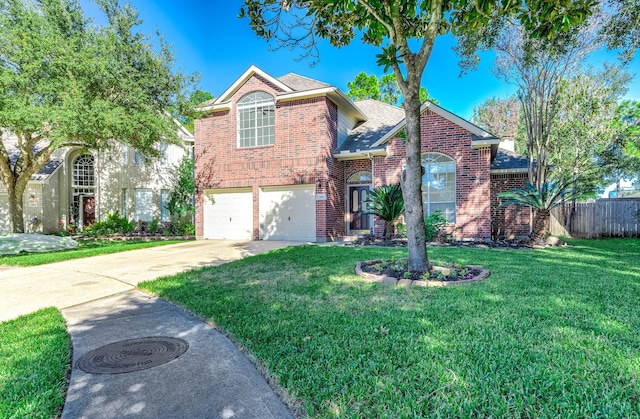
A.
pixel 228 215
pixel 288 213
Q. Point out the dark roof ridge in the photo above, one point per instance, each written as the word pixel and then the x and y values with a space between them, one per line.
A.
pixel 380 102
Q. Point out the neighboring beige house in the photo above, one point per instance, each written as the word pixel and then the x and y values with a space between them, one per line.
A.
pixel 77 187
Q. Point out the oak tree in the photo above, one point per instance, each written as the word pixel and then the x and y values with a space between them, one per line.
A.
pixel 406 32
pixel 67 82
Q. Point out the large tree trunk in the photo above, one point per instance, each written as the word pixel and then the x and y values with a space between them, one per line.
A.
pixel 540 225
pixel 412 183
pixel 16 217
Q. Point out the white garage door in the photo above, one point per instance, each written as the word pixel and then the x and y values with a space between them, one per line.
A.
pixel 228 214
pixel 4 213
pixel 288 213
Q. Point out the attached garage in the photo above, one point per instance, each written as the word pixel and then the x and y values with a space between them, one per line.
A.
pixel 288 213
pixel 228 214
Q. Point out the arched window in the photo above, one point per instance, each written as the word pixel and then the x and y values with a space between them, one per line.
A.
pixel 439 185
pixel 83 173
pixel 256 112
pixel 360 177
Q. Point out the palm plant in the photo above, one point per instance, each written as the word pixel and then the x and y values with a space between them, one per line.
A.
pixel 386 202
pixel 551 195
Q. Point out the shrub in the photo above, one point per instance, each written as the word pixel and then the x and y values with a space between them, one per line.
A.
pixel 401 230
pixel 112 224
pixel 435 226
pixel 153 226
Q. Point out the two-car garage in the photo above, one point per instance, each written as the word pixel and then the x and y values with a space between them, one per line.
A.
pixel 284 213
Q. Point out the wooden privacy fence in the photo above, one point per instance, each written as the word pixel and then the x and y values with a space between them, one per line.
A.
pixel 619 217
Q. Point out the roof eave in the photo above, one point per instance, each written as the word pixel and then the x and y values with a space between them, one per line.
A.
pixel 360 154
pixel 509 171
pixel 333 93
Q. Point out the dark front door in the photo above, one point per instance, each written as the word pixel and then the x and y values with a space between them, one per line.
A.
pixel 88 210
pixel 357 196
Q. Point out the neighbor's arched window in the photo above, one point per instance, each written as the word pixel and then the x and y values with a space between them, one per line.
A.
pixel 439 185
pixel 256 112
pixel 83 173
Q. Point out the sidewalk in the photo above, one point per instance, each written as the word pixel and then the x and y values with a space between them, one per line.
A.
pixel 212 379
pixel 98 299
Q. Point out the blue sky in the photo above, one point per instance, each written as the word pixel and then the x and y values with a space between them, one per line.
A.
pixel 208 38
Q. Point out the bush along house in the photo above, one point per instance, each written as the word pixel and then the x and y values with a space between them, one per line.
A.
pixel 292 158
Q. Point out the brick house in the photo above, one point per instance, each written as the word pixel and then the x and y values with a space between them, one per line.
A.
pixel 291 158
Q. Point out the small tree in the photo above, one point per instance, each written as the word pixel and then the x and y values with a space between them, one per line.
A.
pixel 386 202
pixel 542 201
pixel 181 196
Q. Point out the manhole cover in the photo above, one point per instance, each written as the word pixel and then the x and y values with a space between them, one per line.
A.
pixel 132 355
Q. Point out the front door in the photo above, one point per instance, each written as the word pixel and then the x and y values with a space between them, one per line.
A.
pixel 88 210
pixel 359 219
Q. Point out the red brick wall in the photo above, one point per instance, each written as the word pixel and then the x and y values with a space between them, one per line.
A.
pixel 305 136
pixel 473 212
pixel 509 221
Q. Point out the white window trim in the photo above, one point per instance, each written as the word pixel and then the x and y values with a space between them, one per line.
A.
pixel 428 202
pixel 240 107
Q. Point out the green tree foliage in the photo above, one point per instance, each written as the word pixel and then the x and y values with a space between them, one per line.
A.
pixel 499 116
pixel 386 90
pixel 64 81
pixel 406 31
pixel 619 159
pixel 181 196
pixel 364 86
pixel 585 122
pixel 542 200
pixel 386 203
pixel 196 98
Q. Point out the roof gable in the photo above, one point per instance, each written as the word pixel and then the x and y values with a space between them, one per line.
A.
pixel 250 72
pixel 481 137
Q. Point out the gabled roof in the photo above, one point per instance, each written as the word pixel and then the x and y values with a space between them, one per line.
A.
pixel 291 87
pixel 480 136
pixel 382 118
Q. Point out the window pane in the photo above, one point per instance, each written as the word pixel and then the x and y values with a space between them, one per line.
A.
pixel 439 185
pixel 143 204
pixel 354 200
pixel 164 201
pixel 256 121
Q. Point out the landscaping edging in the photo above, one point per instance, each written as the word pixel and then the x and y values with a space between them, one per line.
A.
pixel 384 279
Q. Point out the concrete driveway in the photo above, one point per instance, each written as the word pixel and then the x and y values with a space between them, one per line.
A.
pixel 67 284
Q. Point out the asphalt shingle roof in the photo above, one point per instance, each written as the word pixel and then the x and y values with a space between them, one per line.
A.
pixel 381 118
pixel 11 144
pixel 301 83
pixel 507 159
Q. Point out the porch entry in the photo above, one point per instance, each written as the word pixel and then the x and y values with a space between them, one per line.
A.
pixel 359 220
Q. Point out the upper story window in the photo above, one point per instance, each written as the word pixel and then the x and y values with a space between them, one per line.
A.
pixel 256 112
pixel 439 185
pixel 138 158
pixel 163 149
pixel 83 171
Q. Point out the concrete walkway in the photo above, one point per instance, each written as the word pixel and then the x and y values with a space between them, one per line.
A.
pixel 97 297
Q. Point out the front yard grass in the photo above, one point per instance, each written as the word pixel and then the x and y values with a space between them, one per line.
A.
pixel 86 248
pixel 551 333
pixel 35 353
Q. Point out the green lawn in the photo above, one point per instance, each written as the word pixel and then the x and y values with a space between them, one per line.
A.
pixel 551 333
pixel 35 354
pixel 85 249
